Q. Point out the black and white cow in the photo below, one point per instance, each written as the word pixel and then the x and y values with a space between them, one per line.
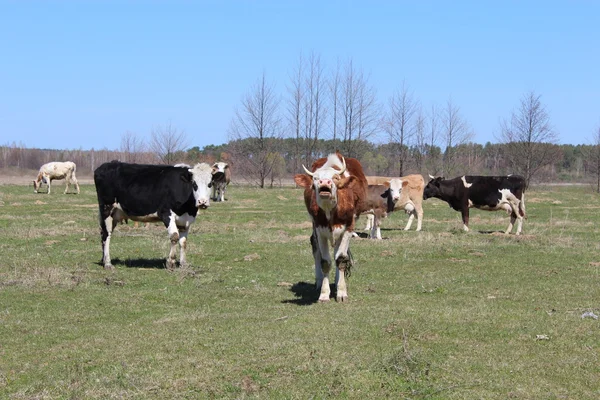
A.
pixel 221 176
pixel 483 192
pixel 151 193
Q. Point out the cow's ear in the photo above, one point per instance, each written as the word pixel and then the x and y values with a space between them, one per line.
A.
pixel 387 184
pixel 385 194
pixel 404 183
pixel 303 180
pixel 346 181
pixel 187 177
pixel 210 184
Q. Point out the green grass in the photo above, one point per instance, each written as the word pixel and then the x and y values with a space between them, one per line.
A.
pixel 439 314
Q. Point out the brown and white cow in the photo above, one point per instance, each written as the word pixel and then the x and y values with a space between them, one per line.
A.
pixel 56 170
pixel 221 176
pixel 334 193
pixel 405 193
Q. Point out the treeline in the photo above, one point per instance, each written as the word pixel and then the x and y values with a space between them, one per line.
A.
pixel 286 157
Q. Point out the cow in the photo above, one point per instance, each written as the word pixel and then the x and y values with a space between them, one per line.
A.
pixel 56 170
pixel 405 193
pixel 377 208
pixel 335 191
pixel 151 193
pixel 490 193
pixel 221 176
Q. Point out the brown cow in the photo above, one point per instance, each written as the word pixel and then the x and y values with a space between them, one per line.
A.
pixel 334 193
pixel 406 194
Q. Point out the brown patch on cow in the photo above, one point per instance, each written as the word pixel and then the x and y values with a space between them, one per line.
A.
pixel 252 257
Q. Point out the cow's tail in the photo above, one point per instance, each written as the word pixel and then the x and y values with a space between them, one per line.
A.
pixel 522 206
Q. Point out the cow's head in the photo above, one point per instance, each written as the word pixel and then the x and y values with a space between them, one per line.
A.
pixel 395 186
pixel 218 170
pixel 433 187
pixel 201 177
pixel 325 182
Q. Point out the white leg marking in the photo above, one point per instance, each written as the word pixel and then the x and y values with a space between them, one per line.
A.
pixel 323 239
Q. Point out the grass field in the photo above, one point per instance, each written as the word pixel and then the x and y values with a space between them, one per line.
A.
pixel 438 314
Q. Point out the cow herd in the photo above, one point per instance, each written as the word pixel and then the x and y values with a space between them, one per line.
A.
pixel 336 193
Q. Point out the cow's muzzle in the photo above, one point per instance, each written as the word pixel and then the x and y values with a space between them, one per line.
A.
pixel 203 204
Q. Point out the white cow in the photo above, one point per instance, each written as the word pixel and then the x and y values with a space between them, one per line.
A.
pixel 56 170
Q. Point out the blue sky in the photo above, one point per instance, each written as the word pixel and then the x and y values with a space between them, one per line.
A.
pixel 78 74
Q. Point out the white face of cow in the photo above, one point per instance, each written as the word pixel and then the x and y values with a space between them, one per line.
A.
pixel 201 175
pixel 395 189
pixel 325 181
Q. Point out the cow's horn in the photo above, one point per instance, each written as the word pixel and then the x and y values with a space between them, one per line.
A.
pixel 307 171
pixel 431 176
pixel 343 166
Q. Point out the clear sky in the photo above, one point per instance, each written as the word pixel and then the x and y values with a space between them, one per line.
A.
pixel 78 74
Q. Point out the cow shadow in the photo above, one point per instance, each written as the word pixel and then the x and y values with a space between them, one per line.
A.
pixel 306 294
pixel 158 263
pixel 490 232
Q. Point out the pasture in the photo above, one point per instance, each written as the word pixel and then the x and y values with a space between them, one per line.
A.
pixel 437 314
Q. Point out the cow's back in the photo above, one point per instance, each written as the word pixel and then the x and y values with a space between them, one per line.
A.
pixel 141 189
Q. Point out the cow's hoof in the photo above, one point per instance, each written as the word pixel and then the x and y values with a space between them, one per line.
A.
pixel 109 266
pixel 324 299
pixel 342 299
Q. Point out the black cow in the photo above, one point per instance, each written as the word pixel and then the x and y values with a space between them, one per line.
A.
pixel 151 193
pixel 484 192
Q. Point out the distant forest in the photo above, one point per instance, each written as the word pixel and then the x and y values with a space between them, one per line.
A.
pixel 572 163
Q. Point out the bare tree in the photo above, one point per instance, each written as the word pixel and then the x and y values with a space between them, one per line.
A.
pixel 529 137
pixel 358 110
pixel 420 139
pixel 132 147
pixel 335 93
pixel 592 158
pixel 306 108
pixel 296 93
pixel 167 143
pixel 433 155
pixel 455 132
pixel 254 130
pixel 399 124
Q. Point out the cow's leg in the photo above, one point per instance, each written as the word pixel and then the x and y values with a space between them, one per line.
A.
pixel 376 228
pixel 222 193
pixel 74 182
pixel 465 218
pixel 314 244
pixel 48 182
pixel 323 238
pixel 183 233
pixel 107 225
pixel 341 238
pixel 419 211
pixel 411 217
pixel 169 221
pixel 369 218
